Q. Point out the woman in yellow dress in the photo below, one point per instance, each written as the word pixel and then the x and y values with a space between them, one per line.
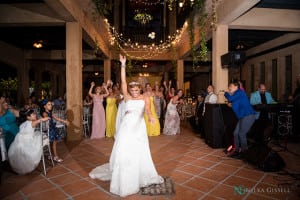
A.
pixel 111 113
pixel 153 129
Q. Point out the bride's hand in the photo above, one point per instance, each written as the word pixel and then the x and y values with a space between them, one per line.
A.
pixel 123 60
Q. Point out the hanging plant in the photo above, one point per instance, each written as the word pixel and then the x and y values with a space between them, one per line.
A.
pixel 103 7
pixel 202 32
pixel 198 7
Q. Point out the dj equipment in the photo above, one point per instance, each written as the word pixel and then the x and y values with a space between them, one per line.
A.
pixel 219 124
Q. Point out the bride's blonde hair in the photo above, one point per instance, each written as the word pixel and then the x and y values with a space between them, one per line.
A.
pixel 133 84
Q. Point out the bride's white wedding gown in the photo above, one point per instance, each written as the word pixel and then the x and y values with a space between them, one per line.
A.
pixel 130 166
pixel 24 154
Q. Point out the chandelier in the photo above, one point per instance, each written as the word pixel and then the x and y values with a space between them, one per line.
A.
pixel 142 17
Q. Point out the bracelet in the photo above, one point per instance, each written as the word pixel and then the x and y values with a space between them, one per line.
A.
pixel 123 66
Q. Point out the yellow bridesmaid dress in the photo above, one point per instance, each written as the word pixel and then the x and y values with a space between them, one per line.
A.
pixel 152 129
pixel 111 115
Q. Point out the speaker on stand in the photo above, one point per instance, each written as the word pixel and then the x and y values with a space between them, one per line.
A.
pixel 284 126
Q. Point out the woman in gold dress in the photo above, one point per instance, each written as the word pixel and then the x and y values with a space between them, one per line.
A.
pixel 111 113
pixel 153 129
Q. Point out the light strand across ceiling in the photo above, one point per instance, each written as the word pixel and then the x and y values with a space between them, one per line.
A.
pixel 126 45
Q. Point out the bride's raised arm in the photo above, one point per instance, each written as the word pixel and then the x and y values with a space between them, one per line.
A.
pixel 123 75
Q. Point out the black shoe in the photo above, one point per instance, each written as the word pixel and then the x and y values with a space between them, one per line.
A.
pixel 234 154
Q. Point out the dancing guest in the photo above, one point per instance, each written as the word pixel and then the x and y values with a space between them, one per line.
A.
pixel 98 123
pixel 172 119
pixel 87 101
pixel 30 104
pixel 111 113
pixel 243 110
pixel 153 129
pixel 130 166
pixel 170 91
pixel 25 152
pixel 55 135
pixel 159 103
pixel 8 121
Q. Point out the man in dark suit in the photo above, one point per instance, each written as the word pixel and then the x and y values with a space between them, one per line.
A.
pixel 197 120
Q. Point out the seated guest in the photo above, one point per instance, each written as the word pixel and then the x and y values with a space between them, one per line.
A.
pixel 59 101
pixel 262 129
pixel 245 114
pixel 261 96
pixel 8 122
pixel 211 97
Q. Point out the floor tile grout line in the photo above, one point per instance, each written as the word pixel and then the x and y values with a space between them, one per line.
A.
pixel 23 195
pixel 221 182
pixel 54 185
pixel 258 182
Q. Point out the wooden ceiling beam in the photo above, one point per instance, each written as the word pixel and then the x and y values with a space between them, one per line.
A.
pixel 96 28
pixel 227 11
pixel 290 37
pixel 268 19
pixel 11 15
pixel 56 55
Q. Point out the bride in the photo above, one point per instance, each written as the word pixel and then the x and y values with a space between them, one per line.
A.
pixel 130 166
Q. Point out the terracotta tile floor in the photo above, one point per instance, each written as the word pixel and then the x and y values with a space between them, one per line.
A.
pixel 198 171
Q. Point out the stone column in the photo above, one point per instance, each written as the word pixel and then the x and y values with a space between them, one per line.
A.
pixel 219 47
pixel 74 80
pixel 180 74
pixel 107 70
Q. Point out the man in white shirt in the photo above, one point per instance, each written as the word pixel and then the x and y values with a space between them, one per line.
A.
pixel 211 97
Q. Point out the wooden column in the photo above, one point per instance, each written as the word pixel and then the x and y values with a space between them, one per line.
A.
pixel 107 69
pixel 117 15
pixel 38 81
pixel 280 77
pixel 219 47
pixel 296 68
pixel 74 80
pixel 172 21
pixel 268 75
pixel 23 83
pixel 53 84
pixel 180 73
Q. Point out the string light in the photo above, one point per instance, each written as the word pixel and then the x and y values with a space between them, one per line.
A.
pixel 147 50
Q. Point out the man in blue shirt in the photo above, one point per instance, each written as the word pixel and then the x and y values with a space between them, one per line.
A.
pixel 261 96
pixel 245 114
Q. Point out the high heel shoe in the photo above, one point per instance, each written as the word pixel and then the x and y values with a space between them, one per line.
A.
pixel 57 159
